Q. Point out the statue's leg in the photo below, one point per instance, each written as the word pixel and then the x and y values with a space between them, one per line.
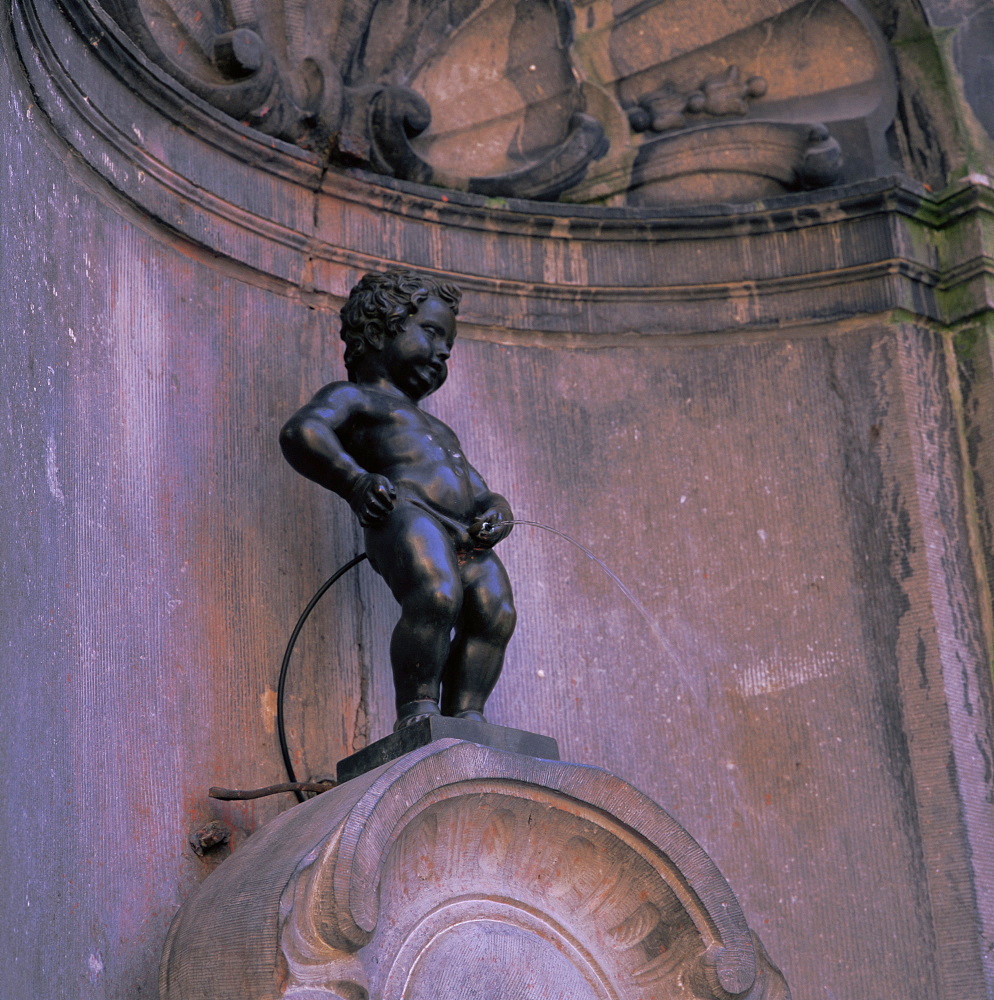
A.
pixel 415 556
pixel 482 634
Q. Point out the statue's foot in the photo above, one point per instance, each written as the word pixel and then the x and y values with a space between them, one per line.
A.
pixel 415 711
pixel 472 715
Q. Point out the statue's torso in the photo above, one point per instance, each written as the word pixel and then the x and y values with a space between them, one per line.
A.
pixel 416 451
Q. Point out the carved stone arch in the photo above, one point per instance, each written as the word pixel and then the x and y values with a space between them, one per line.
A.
pixel 289 222
pixel 461 850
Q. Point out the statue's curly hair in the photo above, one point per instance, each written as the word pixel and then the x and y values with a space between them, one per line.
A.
pixel 381 302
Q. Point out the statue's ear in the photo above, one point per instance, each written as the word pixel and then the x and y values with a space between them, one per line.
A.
pixel 376 336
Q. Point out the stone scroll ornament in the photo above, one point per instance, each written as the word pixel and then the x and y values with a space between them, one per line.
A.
pixel 461 872
pixel 640 104
pixel 335 76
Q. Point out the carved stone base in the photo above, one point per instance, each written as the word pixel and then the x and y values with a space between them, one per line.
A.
pixel 459 871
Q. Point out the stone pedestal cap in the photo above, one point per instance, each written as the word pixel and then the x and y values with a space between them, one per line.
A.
pixel 460 870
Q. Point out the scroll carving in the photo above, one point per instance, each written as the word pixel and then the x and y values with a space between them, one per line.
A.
pixel 543 99
pixel 335 78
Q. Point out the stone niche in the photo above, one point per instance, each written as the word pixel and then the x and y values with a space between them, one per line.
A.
pixel 796 393
pixel 461 871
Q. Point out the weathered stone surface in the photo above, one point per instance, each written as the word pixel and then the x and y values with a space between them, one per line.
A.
pixel 551 272
pixel 463 871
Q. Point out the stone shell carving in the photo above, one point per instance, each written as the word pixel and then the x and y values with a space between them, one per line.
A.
pixel 463 871
pixel 544 99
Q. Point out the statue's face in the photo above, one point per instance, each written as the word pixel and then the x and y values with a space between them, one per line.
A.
pixel 415 358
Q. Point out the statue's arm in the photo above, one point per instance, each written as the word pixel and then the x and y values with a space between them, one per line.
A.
pixel 311 444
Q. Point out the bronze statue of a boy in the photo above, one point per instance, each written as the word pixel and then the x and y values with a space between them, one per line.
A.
pixel 430 520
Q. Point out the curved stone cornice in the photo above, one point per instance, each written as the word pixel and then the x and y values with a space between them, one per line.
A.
pixel 542 272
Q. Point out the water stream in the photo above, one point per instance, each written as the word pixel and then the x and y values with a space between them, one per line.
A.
pixel 649 620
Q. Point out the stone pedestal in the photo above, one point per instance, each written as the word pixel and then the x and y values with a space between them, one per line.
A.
pixel 460 871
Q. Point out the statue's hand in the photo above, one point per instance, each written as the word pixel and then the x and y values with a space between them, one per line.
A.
pixel 492 526
pixel 372 498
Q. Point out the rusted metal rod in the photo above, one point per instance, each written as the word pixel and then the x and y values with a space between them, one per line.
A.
pixel 317 787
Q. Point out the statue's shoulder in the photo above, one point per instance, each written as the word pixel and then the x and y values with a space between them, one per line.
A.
pixel 342 395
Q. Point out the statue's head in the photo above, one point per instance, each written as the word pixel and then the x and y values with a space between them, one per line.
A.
pixel 379 305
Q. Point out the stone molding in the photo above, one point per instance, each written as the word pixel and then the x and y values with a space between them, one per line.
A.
pixel 354 893
pixel 534 272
